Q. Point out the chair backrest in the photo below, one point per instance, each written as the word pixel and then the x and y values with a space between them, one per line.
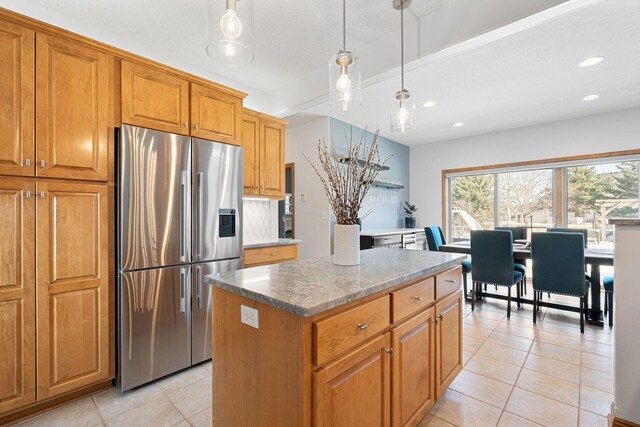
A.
pixel 518 233
pixel 558 263
pixel 492 257
pixel 435 237
pixel 571 230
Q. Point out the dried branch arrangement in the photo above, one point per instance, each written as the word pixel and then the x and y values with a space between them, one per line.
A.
pixel 347 180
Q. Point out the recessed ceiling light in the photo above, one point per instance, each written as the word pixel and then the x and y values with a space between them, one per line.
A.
pixel 458 124
pixel 428 104
pixel 590 97
pixel 589 62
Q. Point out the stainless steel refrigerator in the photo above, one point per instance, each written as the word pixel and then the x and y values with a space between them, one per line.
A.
pixel 179 219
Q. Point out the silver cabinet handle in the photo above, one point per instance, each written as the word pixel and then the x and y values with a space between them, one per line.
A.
pixel 273 254
pixel 183 216
pixel 195 126
pixel 199 287
pixel 363 326
pixel 42 194
pixel 183 285
pixel 450 281
pixel 185 124
pixel 199 202
pixel 27 163
pixel 418 299
pixel 27 194
pixel 42 163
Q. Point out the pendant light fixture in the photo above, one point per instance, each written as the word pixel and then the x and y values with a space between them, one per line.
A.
pixel 231 31
pixel 344 74
pixel 402 105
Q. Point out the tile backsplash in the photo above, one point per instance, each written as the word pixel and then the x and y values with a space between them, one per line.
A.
pixel 260 221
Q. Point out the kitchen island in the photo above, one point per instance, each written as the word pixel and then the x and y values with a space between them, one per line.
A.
pixel 312 343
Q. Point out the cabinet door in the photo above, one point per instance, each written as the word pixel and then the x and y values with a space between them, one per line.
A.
pixel 17 299
pixel 154 99
pixel 72 287
pixel 251 148
pixel 271 159
pixel 412 367
pixel 72 110
pixel 448 341
pixel 16 99
pixel 354 390
pixel 215 115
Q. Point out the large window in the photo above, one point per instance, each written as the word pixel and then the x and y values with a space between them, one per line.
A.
pixel 575 195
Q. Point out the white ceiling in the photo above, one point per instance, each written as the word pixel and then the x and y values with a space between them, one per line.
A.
pixel 514 67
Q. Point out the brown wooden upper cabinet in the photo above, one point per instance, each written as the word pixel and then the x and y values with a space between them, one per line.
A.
pixel 263 139
pixel 215 115
pixel 72 109
pixel 17 299
pixel 16 99
pixel 154 99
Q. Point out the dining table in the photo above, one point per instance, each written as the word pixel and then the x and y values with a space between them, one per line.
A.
pixel 595 257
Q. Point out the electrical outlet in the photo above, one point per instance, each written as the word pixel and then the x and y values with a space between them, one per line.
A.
pixel 249 316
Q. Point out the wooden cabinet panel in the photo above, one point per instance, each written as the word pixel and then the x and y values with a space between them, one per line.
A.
pixel 17 300
pixel 72 110
pixel 448 341
pixel 413 298
pixel 340 332
pixel 16 99
pixel 251 146
pixel 271 158
pixel 269 255
pixel 215 115
pixel 355 390
pixel 154 99
pixel 412 384
pixel 448 282
pixel 72 287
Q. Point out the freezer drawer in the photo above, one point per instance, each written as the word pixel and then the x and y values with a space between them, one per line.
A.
pixel 155 332
pixel 201 303
pixel 155 198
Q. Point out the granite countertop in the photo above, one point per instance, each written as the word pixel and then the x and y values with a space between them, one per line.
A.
pixel 311 286
pixel 279 242
pixel 624 221
pixel 390 231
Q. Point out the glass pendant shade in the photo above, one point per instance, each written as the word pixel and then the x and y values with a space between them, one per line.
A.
pixel 403 109
pixel 230 39
pixel 344 81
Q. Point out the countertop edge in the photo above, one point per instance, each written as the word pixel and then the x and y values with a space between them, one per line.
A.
pixel 280 242
pixel 329 305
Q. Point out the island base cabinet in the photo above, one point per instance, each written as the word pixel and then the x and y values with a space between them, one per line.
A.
pixel 354 390
pixel 412 369
pixel 448 341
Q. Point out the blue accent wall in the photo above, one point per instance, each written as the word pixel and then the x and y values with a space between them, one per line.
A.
pixel 385 204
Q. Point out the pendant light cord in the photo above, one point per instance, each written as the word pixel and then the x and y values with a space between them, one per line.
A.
pixel 402 43
pixel 344 24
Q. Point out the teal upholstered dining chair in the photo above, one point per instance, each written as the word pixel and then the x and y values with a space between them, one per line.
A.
pixel 435 239
pixel 558 268
pixel 583 231
pixel 492 254
pixel 607 283
pixel 519 233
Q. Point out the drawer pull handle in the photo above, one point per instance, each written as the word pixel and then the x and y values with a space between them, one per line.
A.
pixel 273 254
pixel 363 326
pixel 418 299
pixel 450 281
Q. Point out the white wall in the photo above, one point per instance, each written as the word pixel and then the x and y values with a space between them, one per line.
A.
pixel 600 133
pixel 312 223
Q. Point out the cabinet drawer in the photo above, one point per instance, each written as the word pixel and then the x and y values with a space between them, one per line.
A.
pixel 270 254
pixel 448 282
pixel 412 298
pixel 338 333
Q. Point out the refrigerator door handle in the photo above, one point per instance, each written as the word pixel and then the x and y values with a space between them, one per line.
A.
pixel 199 201
pixel 199 287
pixel 183 216
pixel 183 286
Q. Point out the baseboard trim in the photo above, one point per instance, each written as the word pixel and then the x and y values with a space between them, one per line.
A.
pixel 40 407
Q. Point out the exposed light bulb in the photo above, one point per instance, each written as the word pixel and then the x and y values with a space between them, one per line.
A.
pixel 230 25
pixel 344 83
pixel 402 116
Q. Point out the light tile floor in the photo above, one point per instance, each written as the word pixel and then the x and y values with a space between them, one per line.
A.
pixel 515 374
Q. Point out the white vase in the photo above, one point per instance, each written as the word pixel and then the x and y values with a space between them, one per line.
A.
pixel 346 244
